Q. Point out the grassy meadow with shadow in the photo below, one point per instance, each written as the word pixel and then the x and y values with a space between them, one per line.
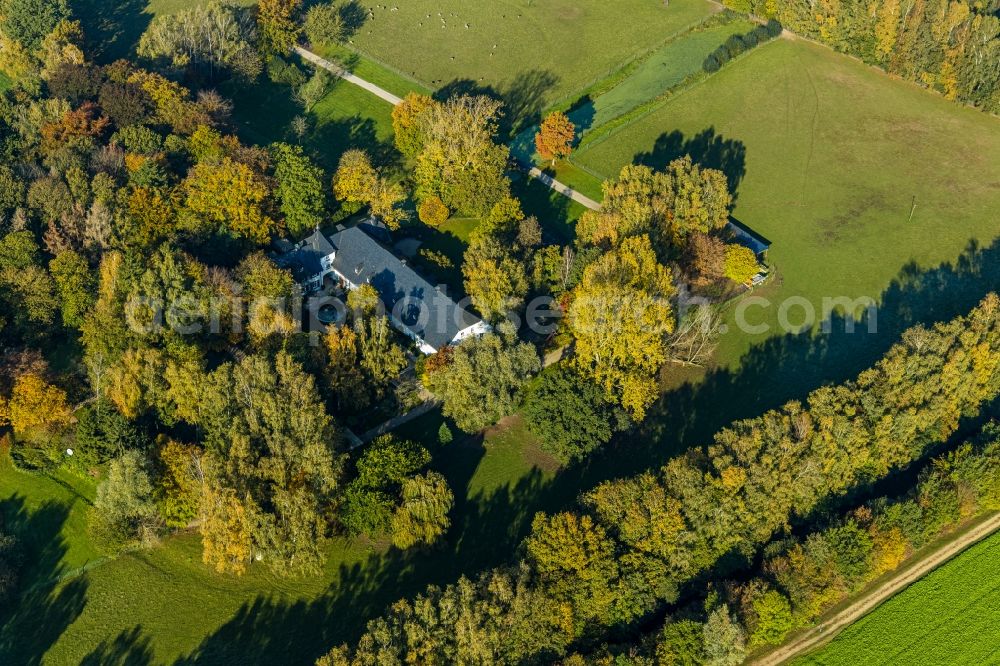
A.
pixel 163 605
pixel 852 175
pixel 516 47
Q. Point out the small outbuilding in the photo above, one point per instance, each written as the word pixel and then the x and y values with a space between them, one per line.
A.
pixel 747 237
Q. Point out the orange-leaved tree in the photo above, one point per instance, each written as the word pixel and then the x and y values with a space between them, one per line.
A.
pixel 554 139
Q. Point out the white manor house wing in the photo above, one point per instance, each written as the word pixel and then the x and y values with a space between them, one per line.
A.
pixel 414 306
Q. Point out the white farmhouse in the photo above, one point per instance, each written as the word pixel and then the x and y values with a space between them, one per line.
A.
pixel 414 306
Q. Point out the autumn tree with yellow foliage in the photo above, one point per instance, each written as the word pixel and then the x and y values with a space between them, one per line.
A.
pixel 277 25
pixel 409 119
pixel 667 205
pixel 357 182
pixel 228 195
pixel 461 161
pixel 620 317
pixel 35 404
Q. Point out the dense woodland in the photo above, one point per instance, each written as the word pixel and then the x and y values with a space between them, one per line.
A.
pixel 947 45
pixel 151 341
pixel 633 543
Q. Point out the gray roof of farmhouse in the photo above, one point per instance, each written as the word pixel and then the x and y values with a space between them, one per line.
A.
pixel 425 310
pixel 746 236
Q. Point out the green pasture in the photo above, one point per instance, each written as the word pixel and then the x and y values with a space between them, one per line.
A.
pixel 948 617
pixel 864 185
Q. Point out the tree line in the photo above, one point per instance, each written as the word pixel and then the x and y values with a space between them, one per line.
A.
pixel 634 542
pixel 800 577
pixel 951 46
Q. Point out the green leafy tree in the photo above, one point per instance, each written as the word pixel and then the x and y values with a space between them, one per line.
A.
pixel 179 482
pixel 681 643
pixel 103 433
pixel 366 511
pixel 388 461
pixel 272 463
pixel 75 284
pixel 381 357
pixel 444 435
pixel 314 89
pixel 495 279
pixel 12 190
pixel 208 38
pixel 29 21
pixel 725 644
pixel 423 516
pixel 300 189
pixel 324 25
pixel 382 468
pixel 570 414
pixel 124 509
pixel 773 619
pixel 482 378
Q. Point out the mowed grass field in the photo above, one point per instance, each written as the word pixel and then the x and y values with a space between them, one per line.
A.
pixel 828 159
pixel 952 616
pixel 163 605
pixel 518 48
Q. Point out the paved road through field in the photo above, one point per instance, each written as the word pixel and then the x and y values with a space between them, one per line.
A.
pixel 534 172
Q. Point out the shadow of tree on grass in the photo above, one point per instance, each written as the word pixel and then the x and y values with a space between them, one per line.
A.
pixel 705 148
pixel 112 28
pixel 41 607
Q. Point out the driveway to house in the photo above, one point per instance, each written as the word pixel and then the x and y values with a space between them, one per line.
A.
pixel 826 631
pixel 534 172
pixel 347 76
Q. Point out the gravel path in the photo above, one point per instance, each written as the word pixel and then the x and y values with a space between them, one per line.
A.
pixel 551 182
pixel 347 76
pixel 826 631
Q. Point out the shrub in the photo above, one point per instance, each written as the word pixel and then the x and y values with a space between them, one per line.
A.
pixel 433 212
pixel 444 434
pixel 741 263
pixel 283 72
pixel 713 63
pixel 438 259
pixel 734 46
